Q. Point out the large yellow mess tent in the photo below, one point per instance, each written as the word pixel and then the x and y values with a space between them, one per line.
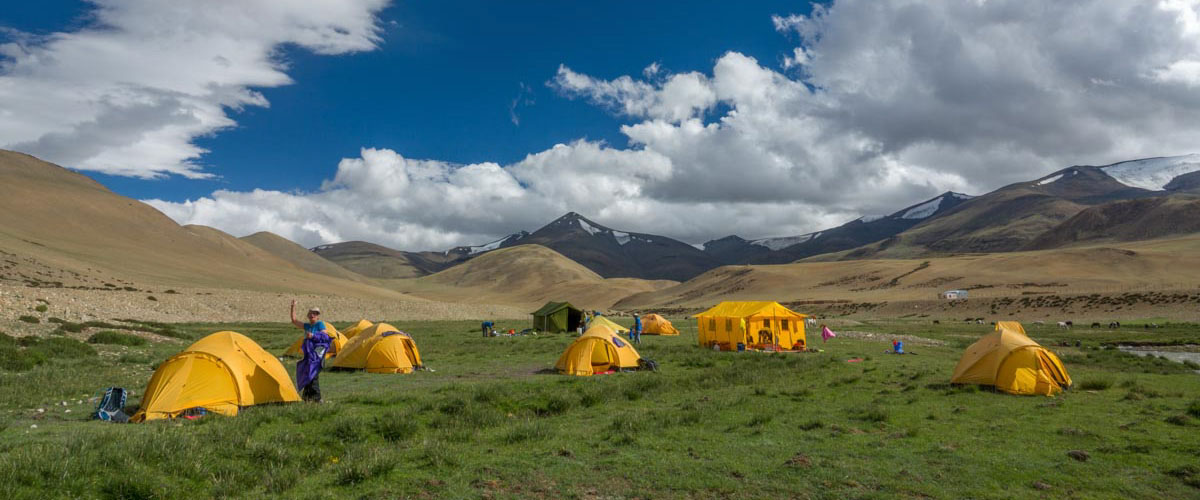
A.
pixel 753 324
pixel 339 341
pixel 653 324
pixel 380 349
pixel 221 373
pixel 1012 362
pixel 604 321
pixel 598 350
pixel 357 328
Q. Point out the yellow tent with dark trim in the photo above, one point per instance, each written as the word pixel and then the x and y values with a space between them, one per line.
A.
pixel 653 324
pixel 221 373
pixel 380 349
pixel 754 324
pixel 1012 362
pixel 339 341
pixel 604 321
pixel 357 328
pixel 599 349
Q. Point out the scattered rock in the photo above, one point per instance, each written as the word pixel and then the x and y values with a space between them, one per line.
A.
pixel 41 410
pixel 1041 486
pixel 799 460
pixel 1079 455
pixel 33 426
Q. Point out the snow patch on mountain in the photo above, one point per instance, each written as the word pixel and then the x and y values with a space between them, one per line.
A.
pixel 621 237
pixel 784 242
pixel 589 228
pixel 961 196
pixel 487 247
pixel 923 210
pixel 1152 174
pixel 871 218
pixel 1050 179
pixel 320 247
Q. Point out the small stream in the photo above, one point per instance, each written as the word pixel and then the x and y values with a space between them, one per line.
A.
pixel 1176 356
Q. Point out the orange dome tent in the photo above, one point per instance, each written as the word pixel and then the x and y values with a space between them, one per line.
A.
pixel 599 349
pixel 1012 362
pixel 380 349
pixel 653 324
pixel 221 373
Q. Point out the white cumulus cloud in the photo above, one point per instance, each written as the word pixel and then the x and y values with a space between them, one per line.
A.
pixel 882 104
pixel 129 93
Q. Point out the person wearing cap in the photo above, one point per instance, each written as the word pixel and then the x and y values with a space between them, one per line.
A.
pixel 635 334
pixel 314 346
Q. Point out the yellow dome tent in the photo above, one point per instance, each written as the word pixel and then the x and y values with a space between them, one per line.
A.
pixel 761 324
pixel 653 324
pixel 1012 362
pixel 339 341
pixel 599 349
pixel 604 321
pixel 357 328
pixel 221 373
pixel 380 349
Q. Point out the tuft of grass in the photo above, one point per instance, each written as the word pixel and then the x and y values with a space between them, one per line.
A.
pixel 30 319
pixel 396 427
pixel 116 338
pixel 152 298
pixel 1193 408
pixel 41 308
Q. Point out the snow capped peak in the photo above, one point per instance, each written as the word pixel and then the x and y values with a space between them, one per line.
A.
pixel 959 195
pixel 1153 174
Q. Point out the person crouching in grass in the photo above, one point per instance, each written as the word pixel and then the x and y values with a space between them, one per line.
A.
pixel 314 346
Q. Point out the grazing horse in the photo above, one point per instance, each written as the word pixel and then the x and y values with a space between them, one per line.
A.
pixel 1064 324
pixel 937 322
pixel 1096 325
pixel 1112 325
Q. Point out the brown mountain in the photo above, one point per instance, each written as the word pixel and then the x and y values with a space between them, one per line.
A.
pixel 300 257
pixel 1128 220
pixel 78 233
pixel 529 275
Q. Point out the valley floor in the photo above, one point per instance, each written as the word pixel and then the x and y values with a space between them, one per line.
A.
pixel 490 422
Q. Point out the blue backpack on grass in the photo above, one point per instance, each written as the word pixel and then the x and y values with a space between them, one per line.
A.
pixel 112 405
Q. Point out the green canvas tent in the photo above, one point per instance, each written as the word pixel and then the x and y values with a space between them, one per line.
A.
pixel 557 317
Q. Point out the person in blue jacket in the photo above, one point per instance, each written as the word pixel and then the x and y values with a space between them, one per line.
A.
pixel 635 334
pixel 314 346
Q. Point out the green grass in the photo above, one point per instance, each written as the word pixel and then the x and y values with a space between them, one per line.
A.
pixel 116 338
pixel 489 422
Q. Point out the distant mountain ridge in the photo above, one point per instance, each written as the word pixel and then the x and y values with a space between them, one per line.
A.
pixel 1015 217
pixel 858 232
pixel 1023 215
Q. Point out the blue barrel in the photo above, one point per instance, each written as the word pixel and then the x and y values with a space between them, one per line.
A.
pixel 741 347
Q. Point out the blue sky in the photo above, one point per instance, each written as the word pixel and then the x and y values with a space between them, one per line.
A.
pixel 442 84
pixel 393 121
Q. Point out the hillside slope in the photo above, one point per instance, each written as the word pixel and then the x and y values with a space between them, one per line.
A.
pixel 300 257
pixel 1167 264
pixel 527 275
pixel 78 233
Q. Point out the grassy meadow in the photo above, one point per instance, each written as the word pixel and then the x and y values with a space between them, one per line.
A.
pixel 492 421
